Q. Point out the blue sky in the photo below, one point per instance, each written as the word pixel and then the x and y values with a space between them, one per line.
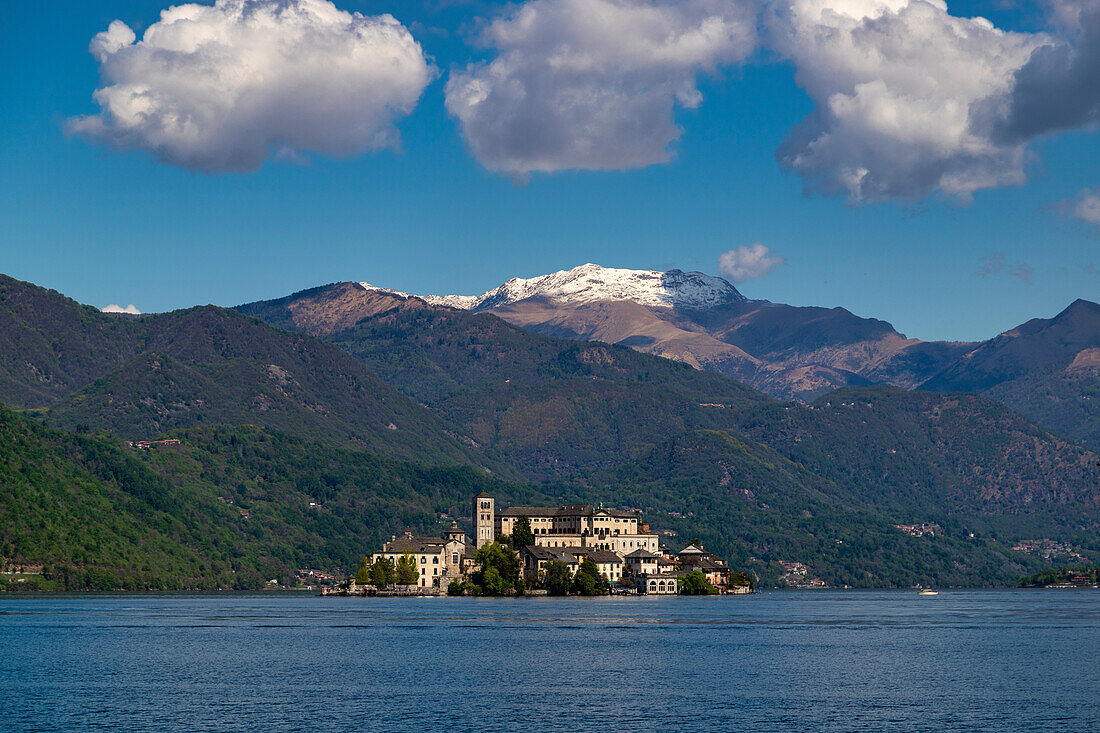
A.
pixel 105 226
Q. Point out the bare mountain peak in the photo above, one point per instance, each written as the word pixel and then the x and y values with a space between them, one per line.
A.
pixel 590 283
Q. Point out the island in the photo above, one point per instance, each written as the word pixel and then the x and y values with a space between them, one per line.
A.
pixel 572 549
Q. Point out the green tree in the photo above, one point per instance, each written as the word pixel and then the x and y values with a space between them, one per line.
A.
pixel 588 581
pixel 382 572
pixel 407 573
pixel 558 578
pixel 493 584
pixel 498 570
pixel 695 583
pixel 362 575
pixel 740 580
pixel 522 536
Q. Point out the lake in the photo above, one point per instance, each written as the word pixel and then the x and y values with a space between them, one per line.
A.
pixel 811 660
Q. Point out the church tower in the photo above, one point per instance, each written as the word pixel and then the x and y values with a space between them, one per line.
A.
pixel 484 519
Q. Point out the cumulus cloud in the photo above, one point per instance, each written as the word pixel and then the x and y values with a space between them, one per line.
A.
pixel 116 308
pixel 746 263
pixel 1059 87
pixel 1085 206
pixel 593 84
pixel 220 88
pixel 894 83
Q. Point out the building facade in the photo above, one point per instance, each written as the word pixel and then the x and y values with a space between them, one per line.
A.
pixel 439 560
pixel 579 525
pixel 484 516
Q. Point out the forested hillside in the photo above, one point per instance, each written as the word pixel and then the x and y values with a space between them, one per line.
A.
pixel 228 508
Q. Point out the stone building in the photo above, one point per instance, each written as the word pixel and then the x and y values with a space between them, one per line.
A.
pixel 694 557
pixel 578 525
pixel 535 559
pixel 642 562
pixel 484 516
pixel 438 560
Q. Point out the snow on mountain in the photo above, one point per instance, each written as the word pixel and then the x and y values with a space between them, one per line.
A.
pixel 587 283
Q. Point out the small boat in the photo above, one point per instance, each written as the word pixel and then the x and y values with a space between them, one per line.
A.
pixel 927 592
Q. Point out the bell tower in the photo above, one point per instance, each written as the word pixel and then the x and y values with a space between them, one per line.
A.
pixel 484 516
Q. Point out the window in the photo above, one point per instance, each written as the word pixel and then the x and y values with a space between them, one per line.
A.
pixel 454 558
pixel 435 560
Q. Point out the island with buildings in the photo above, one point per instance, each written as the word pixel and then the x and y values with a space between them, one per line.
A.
pixel 575 548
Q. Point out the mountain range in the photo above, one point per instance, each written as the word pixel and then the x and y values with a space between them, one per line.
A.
pixel 388 411
pixel 798 352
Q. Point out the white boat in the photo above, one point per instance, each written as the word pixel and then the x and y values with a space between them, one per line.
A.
pixel 927 592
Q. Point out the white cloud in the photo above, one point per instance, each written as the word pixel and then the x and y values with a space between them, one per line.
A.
pixel 1084 206
pixel 116 308
pixel 220 88
pixel 593 84
pixel 746 263
pixel 894 83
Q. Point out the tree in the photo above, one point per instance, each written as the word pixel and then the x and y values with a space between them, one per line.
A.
pixel 741 579
pixel 695 583
pixel 499 569
pixel 522 536
pixel 382 572
pixel 407 573
pixel 588 581
pixel 558 578
pixel 362 575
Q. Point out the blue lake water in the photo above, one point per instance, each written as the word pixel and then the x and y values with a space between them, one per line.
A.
pixel 803 661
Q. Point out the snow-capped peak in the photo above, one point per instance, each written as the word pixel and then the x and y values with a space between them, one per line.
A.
pixel 672 289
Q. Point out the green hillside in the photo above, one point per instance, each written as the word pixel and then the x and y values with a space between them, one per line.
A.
pixel 140 376
pixel 230 508
pixel 51 345
pixel 757 507
pixel 935 455
pixel 1064 399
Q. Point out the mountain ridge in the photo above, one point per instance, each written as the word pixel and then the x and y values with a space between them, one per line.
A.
pixel 804 352
pixel 590 282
